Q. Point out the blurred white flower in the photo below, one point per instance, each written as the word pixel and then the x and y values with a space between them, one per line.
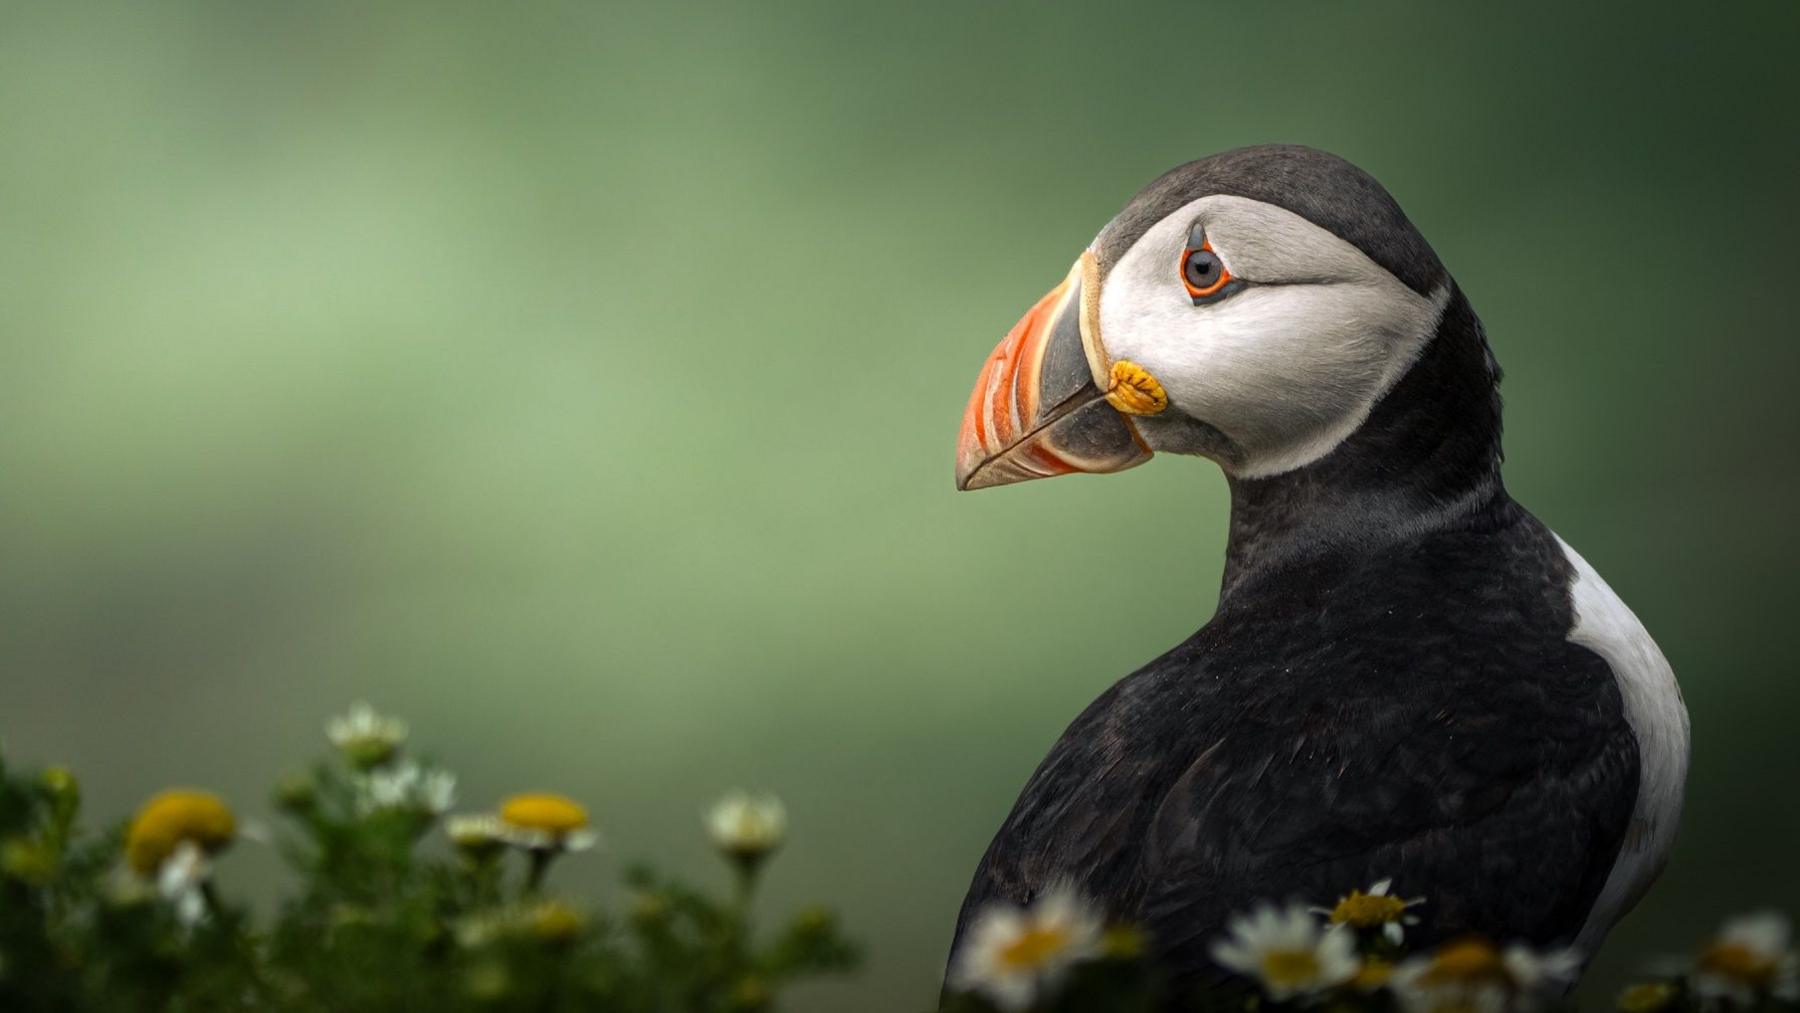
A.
pixel 366 738
pixel 1542 973
pixel 1750 957
pixel 545 822
pixel 545 840
pixel 437 792
pixel 1376 909
pixel 478 836
pixel 747 827
pixel 181 881
pixel 1472 974
pixel 1014 955
pixel 407 786
pixel 1287 951
pixel 482 928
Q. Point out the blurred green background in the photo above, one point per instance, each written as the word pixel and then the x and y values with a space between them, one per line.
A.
pixel 581 382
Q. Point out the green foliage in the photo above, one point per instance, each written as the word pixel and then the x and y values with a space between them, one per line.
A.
pixel 383 914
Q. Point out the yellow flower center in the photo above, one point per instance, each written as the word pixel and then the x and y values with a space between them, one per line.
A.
pixel 1290 968
pixel 1367 910
pixel 750 994
pixel 556 922
pixel 172 817
pixel 1372 975
pixel 1468 962
pixel 1739 962
pixel 1034 947
pixel 649 908
pixel 1122 942
pixel 1646 998
pixel 553 814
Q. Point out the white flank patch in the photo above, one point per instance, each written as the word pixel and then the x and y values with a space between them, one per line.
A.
pixel 1659 720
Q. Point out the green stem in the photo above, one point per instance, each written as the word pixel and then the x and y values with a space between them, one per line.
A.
pixel 540 864
pixel 743 893
pixel 210 894
pixel 745 890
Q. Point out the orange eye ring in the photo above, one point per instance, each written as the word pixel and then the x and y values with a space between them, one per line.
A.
pixel 1203 274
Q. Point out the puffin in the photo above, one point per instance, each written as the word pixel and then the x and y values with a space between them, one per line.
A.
pixel 1408 676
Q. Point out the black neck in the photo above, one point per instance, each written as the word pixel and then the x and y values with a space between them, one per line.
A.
pixel 1427 458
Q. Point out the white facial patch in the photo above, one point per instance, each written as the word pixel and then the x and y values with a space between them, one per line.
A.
pixel 1291 365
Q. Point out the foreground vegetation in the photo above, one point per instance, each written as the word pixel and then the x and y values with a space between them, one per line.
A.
pixel 399 903
pixel 1059 955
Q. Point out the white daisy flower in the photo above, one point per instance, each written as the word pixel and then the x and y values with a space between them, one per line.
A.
pixel 366 738
pixel 437 792
pixel 480 929
pixel 1752 956
pixel 1472 974
pixel 545 840
pixel 477 836
pixel 181 880
pixel 1287 951
pixel 747 828
pixel 1377 909
pixel 407 786
pixel 1015 955
pixel 546 822
pixel 1541 973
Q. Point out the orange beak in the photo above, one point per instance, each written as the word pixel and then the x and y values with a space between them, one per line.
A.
pixel 1038 410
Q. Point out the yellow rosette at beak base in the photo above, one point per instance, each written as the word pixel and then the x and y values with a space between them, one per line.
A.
pixel 1133 391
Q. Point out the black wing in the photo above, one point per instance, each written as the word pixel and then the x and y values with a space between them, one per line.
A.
pixel 1505 811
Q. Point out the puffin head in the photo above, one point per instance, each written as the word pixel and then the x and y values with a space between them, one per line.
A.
pixel 1252 307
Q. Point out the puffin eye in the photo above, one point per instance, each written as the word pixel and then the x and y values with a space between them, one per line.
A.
pixel 1203 273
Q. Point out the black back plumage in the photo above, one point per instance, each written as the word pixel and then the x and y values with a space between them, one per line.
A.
pixel 1387 688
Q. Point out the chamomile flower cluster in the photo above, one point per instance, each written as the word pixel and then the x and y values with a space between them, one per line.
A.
pixel 1347 956
pixel 543 825
pixel 1287 951
pixel 1751 958
pixel 406 786
pixel 1474 974
pixel 1014 955
pixel 544 821
pixel 1749 964
pixel 747 828
pixel 170 843
pixel 1376 910
pixel 478 837
pixel 1353 947
pixel 384 779
pixel 1056 954
pixel 387 915
pixel 367 739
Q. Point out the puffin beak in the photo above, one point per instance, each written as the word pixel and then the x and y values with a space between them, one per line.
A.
pixel 1039 409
